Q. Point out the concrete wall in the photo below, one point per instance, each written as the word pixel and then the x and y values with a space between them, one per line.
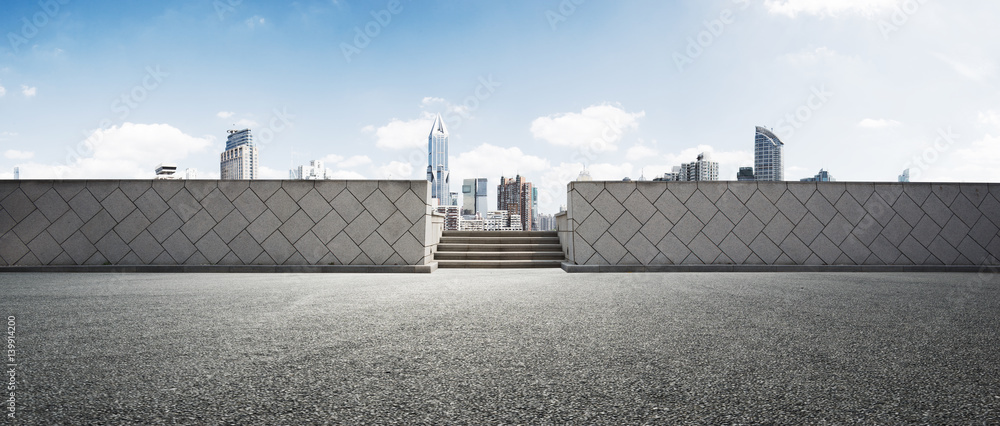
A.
pixel 206 222
pixel 778 223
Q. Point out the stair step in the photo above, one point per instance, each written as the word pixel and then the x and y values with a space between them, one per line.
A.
pixel 498 247
pixel 511 255
pixel 500 234
pixel 499 264
pixel 499 240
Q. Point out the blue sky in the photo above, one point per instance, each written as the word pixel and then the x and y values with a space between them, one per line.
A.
pixel 863 88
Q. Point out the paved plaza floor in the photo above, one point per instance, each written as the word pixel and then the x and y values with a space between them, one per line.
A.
pixel 510 346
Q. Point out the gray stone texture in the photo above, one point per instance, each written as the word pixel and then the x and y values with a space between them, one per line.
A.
pixel 203 222
pixel 778 223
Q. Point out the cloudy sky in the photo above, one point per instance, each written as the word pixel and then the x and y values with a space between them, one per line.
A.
pixel 863 88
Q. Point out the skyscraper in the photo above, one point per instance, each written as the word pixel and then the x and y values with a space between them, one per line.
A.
pixel 703 169
pixel 514 196
pixel 745 174
pixel 768 159
pixel 437 162
pixel 239 160
pixel 474 197
pixel 315 170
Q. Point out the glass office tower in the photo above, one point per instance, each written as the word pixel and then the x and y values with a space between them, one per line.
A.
pixel 437 163
pixel 768 157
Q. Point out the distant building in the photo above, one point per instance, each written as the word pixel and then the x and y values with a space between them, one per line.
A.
pixel 453 197
pixel 905 177
pixel 437 163
pixel 239 161
pixel 822 176
pixel 745 174
pixel 166 171
pixel 472 225
pixel 546 222
pixel 474 197
pixel 17 173
pixel 501 220
pixel 702 169
pixel 190 173
pixel 451 217
pixel 673 175
pixel 534 209
pixel 315 170
pixel 514 196
pixel 768 156
pixel 584 176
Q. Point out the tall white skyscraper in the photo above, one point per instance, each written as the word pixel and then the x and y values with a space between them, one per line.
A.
pixel 437 163
pixel 239 161
pixel 768 156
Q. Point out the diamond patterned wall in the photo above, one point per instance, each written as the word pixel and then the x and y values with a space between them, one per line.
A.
pixel 779 223
pixel 203 222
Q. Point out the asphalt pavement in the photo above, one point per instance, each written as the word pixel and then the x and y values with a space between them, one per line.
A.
pixel 503 347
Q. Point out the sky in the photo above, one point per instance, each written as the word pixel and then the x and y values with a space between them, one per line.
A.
pixel 540 88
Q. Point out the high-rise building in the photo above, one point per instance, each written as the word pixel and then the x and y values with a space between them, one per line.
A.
pixel 239 161
pixel 190 173
pixel 313 171
pixel 534 209
pixel 822 176
pixel 474 197
pixel 437 163
pixel 745 174
pixel 451 217
pixel 166 171
pixel 703 169
pixel 768 156
pixel 514 196
pixel 905 177
pixel 17 173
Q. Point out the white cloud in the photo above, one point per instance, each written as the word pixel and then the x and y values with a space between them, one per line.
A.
pixel 990 117
pixel 254 21
pixel 449 109
pixel 224 114
pixel 124 152
pixel 640 152
pixel 343 174
pixel 597 128
pixel 396 170
pixel 331 159
pixel 354 161
pixel 269 173
pixel 13 154
pixel 870 123
pixel 3 91
pixel 866 8
pixel 979 72
pixel 29 92
pixel 399 134
pixel 244 123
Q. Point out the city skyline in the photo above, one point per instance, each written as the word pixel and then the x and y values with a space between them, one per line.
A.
pixel 531 88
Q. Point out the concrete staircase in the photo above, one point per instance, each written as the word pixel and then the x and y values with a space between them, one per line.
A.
pixel 513 249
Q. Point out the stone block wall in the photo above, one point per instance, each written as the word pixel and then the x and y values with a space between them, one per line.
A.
pixel 779 223
pixel 207 222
